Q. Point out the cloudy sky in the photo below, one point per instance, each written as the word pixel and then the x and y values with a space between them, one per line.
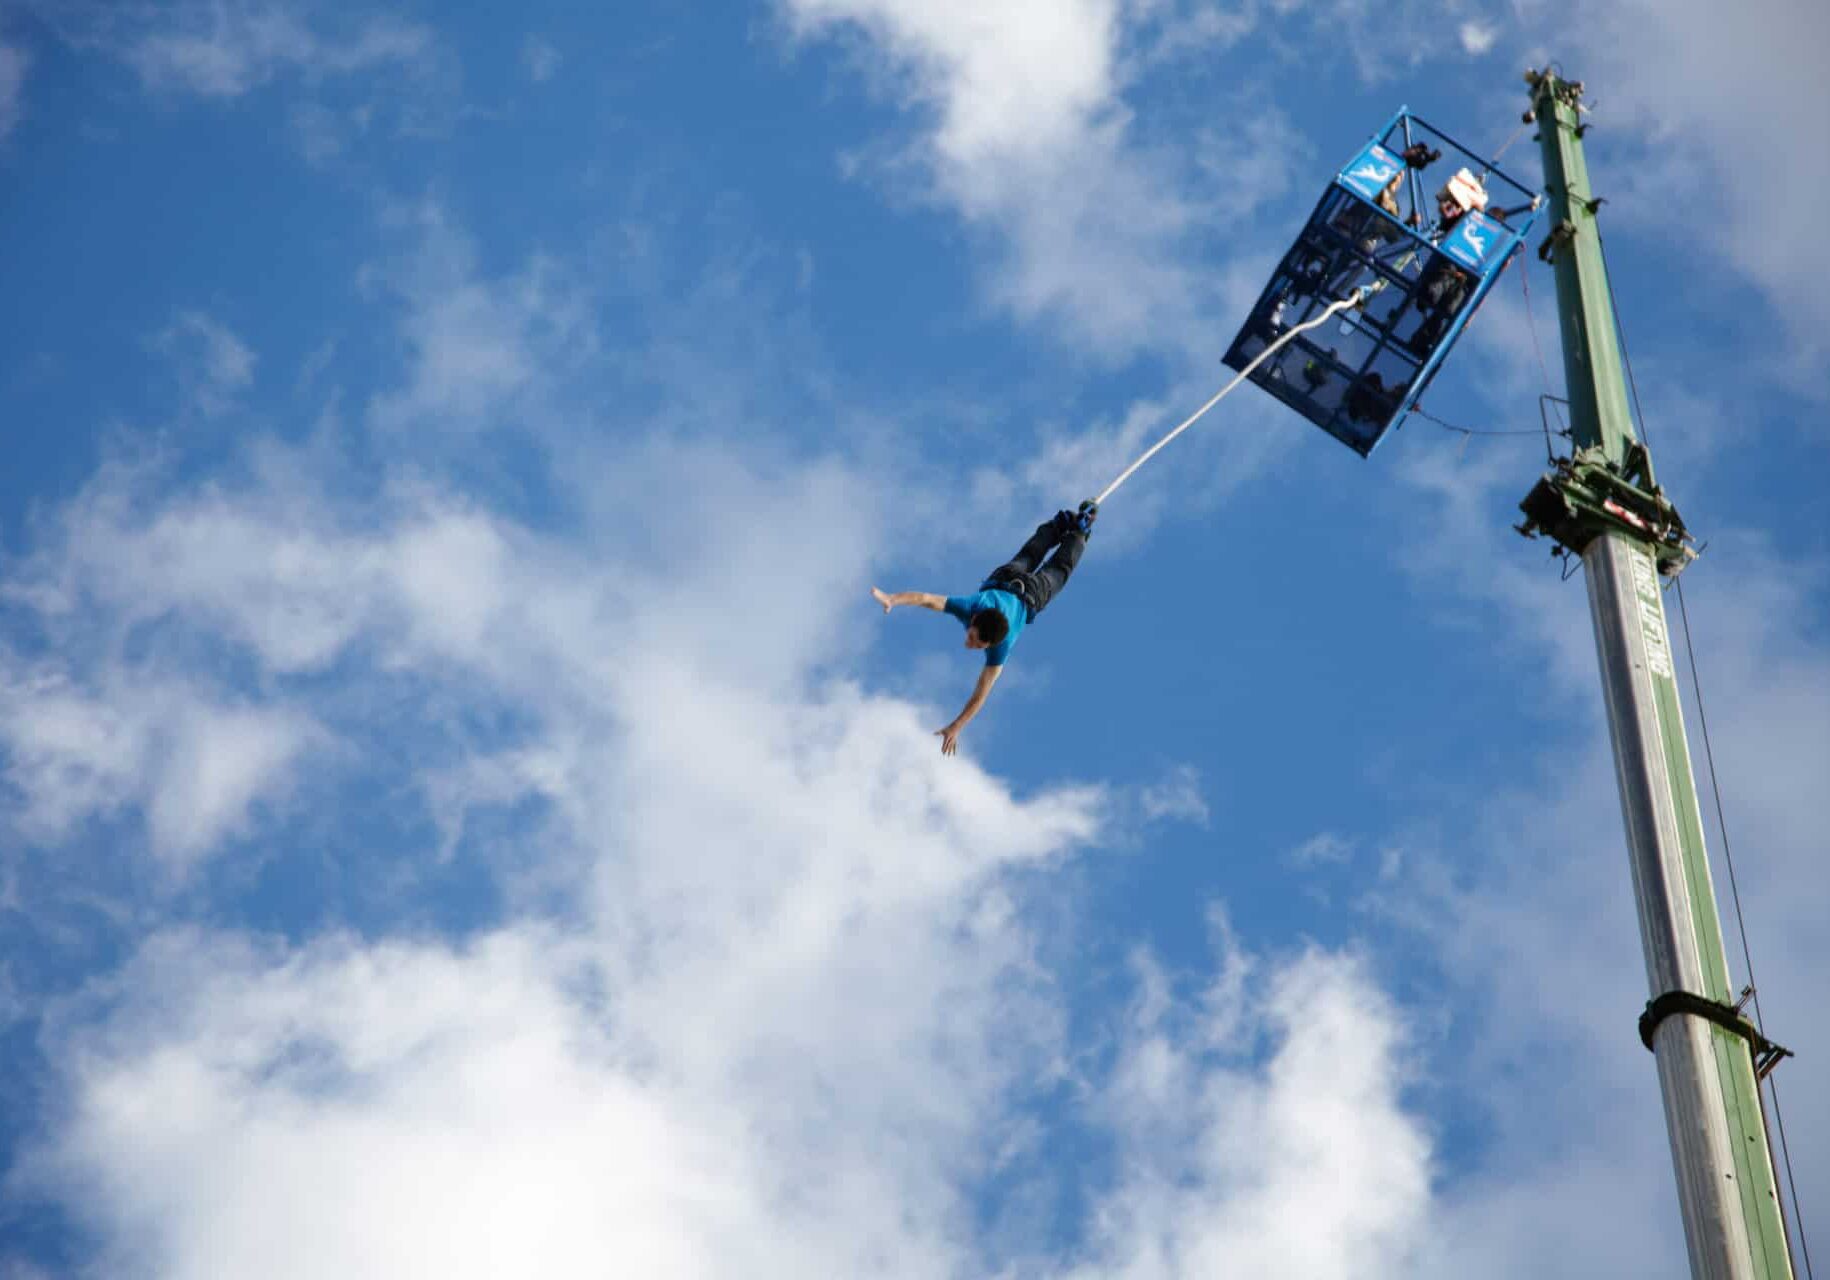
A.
pixel 462 814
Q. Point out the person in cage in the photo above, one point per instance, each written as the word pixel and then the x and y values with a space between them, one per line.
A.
pixel 1441 291
pixel 1443 287
pixel 1379 230
pixel 1420 156
pixel 1458 195
pixel 1006 601
pixel 1415 156
pixel 1370 400
pixel 1375 233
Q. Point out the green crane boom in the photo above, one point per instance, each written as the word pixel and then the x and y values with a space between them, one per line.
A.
pixel 1603 504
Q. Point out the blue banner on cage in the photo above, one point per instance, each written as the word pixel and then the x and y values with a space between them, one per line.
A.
pixel 1370 171
pixel 1474 238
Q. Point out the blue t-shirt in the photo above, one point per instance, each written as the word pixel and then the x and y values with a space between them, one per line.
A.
pixel 1014 610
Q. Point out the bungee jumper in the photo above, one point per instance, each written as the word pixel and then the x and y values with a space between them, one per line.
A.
pixel 1008 600
pixel 1021 588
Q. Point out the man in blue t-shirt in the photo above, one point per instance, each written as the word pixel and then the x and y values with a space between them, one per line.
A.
pixel 1007 601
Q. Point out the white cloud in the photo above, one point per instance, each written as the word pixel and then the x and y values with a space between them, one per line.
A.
pixel 797 1016
pixel 1324 847
pixel 277 577
pixel 1720 171
pixel 1177 797
pixel 13 64
pixel 772 1050
pixel 475 343
pixel 407 1109
pixel 340 74
pixel 1523 895
pixel 1026 134
pixel 1221 452
pixel 224 48
pixel 194 763
pixel 539 59
pixel 214 364
pixel 216 761
pixel 1303 1165
pixel 402 1111
pixel 1196 28
pixel 322 133
pixel 69 755
pixel 1003 82
pixel 1084 461
pixel 1477 38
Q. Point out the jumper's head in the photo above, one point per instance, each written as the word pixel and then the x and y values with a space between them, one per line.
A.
pixel 987 627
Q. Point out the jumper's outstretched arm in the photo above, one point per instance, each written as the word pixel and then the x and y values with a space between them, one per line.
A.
pixel 949 737
pixel 889 600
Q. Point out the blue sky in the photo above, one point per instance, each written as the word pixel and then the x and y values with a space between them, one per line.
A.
pixel 462 814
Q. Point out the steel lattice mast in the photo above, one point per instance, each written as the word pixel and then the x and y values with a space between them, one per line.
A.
pixel 1604 505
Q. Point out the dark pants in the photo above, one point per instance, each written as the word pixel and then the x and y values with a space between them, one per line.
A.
pixel 1440 292
pixel 1031 580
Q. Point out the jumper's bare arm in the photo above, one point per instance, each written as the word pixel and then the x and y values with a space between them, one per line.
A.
pixel 889 600
pixel 949 737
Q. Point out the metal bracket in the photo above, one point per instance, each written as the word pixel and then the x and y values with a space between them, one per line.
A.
pixel 1637 468
pixel 1560 235
pixel 1766 1054
pixel 1586 496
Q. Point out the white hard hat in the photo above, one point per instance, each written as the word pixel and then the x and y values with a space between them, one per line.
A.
pixel 1465 190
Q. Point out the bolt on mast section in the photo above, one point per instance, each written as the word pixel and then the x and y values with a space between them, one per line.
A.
pixel 1604 505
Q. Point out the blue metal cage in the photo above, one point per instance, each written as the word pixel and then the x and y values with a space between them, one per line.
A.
pixel 1421 223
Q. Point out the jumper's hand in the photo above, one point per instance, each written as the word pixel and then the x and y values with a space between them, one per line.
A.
pixel 883 599
pixel 949 739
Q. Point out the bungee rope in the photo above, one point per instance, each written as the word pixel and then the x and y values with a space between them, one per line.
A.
pixel 1334 308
